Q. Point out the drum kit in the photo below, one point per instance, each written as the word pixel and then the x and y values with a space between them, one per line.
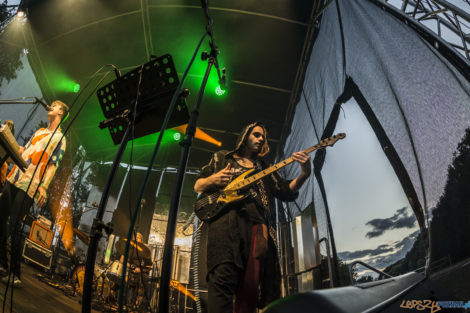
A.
pixel 142 281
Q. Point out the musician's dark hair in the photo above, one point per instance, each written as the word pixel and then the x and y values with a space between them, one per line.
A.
pixel 245 133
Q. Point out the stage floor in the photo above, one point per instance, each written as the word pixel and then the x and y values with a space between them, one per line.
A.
pixel 36 296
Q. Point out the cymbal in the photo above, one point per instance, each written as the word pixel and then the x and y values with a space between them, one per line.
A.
pixel 135 248
pixel 82 236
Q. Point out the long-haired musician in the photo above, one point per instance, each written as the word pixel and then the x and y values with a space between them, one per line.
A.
pixel 241 247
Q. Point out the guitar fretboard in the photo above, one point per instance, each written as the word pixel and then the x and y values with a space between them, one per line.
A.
pixel 252 179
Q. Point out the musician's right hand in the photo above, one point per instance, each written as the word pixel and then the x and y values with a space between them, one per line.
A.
pixel 219 179
pixel 222 177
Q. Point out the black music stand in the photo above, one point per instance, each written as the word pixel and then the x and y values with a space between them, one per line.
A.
pixel 151 86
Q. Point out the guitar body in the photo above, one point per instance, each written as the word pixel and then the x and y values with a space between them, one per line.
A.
pixel 211 205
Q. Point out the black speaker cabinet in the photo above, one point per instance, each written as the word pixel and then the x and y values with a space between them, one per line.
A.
pixel 37 254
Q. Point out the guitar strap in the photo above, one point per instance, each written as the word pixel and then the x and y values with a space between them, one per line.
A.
pixel 268 216
pixel 219 160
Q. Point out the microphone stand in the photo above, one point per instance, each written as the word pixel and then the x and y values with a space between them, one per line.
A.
pixel 214 49
pixel 20 101
pixel 164 295
pixel 36 101
pixel 98 225
pixel 163 299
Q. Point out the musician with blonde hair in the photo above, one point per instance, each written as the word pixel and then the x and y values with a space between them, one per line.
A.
pixel 43 154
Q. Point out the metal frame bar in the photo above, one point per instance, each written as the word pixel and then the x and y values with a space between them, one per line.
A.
pixel 328 255
pixel 369 267
pixel 442 13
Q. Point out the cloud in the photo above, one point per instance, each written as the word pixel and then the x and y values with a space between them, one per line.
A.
pixel 363 253
pixel 381 256
pixel 401 219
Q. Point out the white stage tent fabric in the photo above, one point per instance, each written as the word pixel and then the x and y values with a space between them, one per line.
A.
pixel 419 99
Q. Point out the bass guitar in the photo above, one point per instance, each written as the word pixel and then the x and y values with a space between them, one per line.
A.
pixel 211 205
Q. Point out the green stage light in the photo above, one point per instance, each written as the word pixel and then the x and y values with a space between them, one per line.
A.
pixel 76 88
pixel 177 136
pixel 219 91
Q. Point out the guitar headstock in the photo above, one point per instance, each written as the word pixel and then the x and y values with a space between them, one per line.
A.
pixel 330 141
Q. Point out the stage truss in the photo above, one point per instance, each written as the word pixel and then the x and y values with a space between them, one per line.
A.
pixel 449 22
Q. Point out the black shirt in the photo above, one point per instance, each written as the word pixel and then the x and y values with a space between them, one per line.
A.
pixel 229 236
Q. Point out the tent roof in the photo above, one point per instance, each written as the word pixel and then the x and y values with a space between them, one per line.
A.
pixel 260 44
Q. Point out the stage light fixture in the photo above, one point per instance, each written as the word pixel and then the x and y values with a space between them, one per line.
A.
pixel 76 88
pixel 219 91
pixel 200 134
pixel 20 14
pixel 177 136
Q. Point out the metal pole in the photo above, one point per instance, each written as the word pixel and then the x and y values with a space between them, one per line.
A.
pixel 164 296
pixel 122 187
pixel 160 182
pixel 97 227
pixel 330 269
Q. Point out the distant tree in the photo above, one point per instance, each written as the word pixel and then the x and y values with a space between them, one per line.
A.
pixel 450 234
pixel 5 14
pixel 414 259
pixel 344 276
pixel 80 187
pixel 343 269
pixel 10 55
pixel 364 279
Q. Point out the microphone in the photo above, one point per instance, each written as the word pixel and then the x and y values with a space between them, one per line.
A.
pixel 42 103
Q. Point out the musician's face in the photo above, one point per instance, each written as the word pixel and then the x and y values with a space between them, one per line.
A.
pixel 139 237
pixel 55 110
pixel 256 140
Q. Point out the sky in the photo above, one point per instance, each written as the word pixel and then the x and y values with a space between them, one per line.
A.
pixel 371 217
pixel 25 85
pixel 365 185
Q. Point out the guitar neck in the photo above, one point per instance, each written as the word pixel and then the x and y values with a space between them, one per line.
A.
pixel 252 179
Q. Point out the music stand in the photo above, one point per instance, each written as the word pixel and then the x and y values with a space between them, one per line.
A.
pixel 158 82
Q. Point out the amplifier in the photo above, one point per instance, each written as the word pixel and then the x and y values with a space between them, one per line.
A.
pixel 40 234
pixel 44 221
pixel 37 254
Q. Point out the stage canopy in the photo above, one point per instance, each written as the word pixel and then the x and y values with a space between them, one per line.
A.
pixel 260 43
pixel 376 62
